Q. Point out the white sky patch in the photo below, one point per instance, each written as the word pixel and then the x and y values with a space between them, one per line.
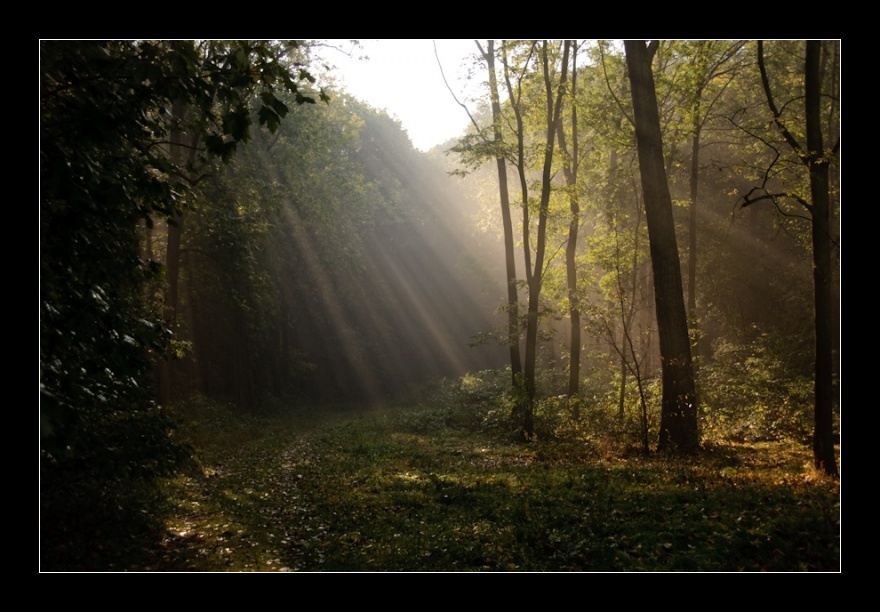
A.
pixel 402 76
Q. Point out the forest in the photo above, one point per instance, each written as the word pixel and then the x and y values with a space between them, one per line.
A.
pixel 598 331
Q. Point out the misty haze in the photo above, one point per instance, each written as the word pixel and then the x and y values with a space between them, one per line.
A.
pixel 596 329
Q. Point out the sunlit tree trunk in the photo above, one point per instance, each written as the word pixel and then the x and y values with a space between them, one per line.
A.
pixel 554 107
pixel 678 419
pixel 692 229
pixel 510 260
pixel 514 95
pixel 570 171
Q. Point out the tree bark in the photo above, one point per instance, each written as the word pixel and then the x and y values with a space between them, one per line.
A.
pixel 570 171
pixel 817 160
pixel 172 258
pixel 678 419
pixel 818 163
pixel 554 107
pixel 692 229
pixel 510 261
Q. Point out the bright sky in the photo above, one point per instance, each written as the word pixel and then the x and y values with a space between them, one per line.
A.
pixel 402 76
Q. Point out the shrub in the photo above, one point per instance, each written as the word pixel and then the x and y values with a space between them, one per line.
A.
pixel 749 393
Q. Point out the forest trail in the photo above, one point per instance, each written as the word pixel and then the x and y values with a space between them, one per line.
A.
pixel 387 489
pixel 240 508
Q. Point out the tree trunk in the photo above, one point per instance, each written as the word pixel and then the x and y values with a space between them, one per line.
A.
pixel 678 418
pixel 621 388
pixel 692 231
pixel 512 297
pixel 172 260
pixel 570 170
pixel 553 111
pixel 818 162
pixel 514 97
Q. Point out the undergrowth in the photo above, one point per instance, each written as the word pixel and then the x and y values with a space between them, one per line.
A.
pixel 438 481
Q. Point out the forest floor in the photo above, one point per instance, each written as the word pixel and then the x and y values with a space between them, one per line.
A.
pixel 420 489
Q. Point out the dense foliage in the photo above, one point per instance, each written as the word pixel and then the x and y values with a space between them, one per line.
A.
pixel 107 122
pixel 741 210
pixel 332 256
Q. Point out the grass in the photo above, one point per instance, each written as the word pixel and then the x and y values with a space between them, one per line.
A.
pixel 430 488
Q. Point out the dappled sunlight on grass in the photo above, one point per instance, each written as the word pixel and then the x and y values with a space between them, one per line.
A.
pixel 409 489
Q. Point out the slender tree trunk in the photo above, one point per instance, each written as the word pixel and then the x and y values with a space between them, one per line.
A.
pixel 553 111
pixel 286 353
pixel 708 62
pixel 627 318
pixel 692 232
pixel 570 164
pixel 621 389
pixel 823 437
pixel 172 259
pixel 510 260
pixel 574 311
pixel 514 96
pixel 678 418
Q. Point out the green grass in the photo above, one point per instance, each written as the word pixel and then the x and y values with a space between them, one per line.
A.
pixel 427 488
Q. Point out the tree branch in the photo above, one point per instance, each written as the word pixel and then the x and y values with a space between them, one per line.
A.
pixel 777 115
pixel 611 91
pixel 773 197
pixel 454 97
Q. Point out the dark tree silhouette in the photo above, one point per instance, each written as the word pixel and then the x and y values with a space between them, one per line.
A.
pixel 678 420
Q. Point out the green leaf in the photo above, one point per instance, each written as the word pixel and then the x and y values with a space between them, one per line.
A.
pixel 269 118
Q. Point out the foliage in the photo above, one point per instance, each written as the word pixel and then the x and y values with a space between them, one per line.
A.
pixel 291 250
pixel 106 120
pixel 752 394
pixel 403 488
pixel 322 266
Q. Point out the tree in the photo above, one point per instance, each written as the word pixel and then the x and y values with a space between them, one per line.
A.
pixel 678 425
pixel 571 162
pixel 226 77
pixel 109 113
pixel 817 158
pixel 507 224
pixel 707 74
pixel 320 265
pixel 616 251
pixel 548 108
pixel 552 108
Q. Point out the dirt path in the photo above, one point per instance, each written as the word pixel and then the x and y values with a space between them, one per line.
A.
pixel 241 508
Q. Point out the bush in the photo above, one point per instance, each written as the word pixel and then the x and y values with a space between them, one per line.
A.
pixel 748 393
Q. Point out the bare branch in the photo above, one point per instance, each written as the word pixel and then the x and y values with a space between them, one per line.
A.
pixel 445 82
